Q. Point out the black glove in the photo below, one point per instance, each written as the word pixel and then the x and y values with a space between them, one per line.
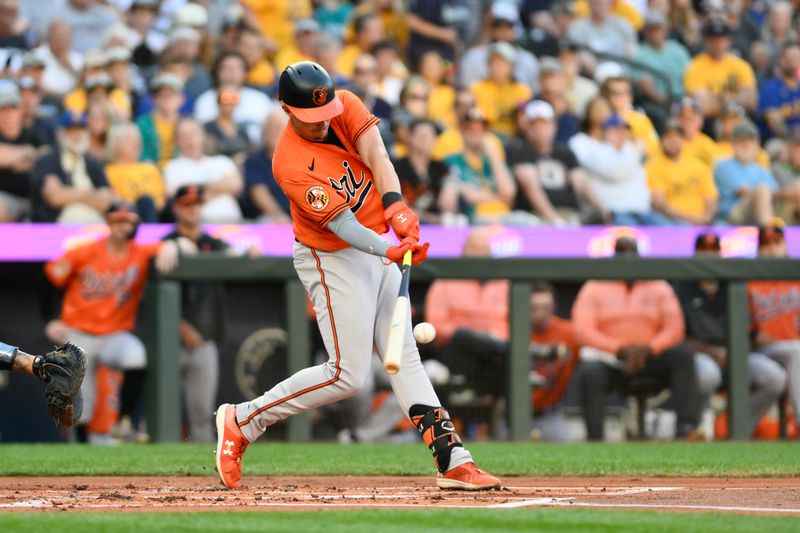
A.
pixel 62 372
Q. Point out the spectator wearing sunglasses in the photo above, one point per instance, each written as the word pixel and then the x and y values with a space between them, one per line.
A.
pixel 225 136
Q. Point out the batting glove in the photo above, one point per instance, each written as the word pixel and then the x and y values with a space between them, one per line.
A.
pixel 396 253
pixel 403 220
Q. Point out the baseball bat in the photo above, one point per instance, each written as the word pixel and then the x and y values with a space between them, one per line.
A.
pixel 397 331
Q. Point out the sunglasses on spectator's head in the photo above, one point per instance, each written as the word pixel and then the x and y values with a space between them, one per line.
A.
pixel 228 98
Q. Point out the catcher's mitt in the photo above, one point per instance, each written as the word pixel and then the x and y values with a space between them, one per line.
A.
pixel 62 372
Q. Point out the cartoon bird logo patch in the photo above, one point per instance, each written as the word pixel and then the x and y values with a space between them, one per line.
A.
pixel 320 95
pixel 317 197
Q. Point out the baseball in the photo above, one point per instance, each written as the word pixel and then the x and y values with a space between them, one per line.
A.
pixel 424 332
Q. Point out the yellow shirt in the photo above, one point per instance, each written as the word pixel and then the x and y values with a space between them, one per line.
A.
pixel 276 18
pixel 725 151
pixel 451 142
pixel 642 129
pixel 619 8
pixel 729 74
pixel 703 148
pixel 441 105
pixel 346 62
pixel 166 134
pixel 76 102
pixel 289 55
pixel 262 74
pixel 134 180
pixel 687 183
pixel 499 102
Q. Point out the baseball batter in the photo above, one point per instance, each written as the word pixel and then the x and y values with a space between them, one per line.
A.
pixel 332 164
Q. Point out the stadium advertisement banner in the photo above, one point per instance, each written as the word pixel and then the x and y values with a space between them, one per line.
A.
pixel 42 242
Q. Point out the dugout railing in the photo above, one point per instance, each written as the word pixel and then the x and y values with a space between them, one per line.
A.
pixel 162 314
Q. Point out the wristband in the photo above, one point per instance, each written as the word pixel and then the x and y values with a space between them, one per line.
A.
pixel 390 198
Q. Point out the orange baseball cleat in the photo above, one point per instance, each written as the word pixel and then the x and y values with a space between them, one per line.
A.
pixel 467 477
pixel 231 444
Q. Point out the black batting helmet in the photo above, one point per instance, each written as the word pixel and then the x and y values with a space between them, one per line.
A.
pixel 307 90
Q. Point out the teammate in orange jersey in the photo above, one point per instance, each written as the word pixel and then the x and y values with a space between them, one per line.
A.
pixel 775 312
pixel 344 193
pixel 103 284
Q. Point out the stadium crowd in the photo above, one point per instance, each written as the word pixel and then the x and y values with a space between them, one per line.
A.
pixel 518 112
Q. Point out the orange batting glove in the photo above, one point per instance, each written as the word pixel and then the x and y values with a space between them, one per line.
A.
pixel 419 252
pixel 403 220
pixel 396 253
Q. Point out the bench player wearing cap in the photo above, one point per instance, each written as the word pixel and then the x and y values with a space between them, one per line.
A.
pixel 332 165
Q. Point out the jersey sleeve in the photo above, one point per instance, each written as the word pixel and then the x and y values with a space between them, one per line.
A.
pixel 61 270
pixel 356 118
pixel 316 201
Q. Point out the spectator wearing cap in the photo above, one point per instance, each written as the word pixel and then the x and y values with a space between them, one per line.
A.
pixel 150 42
pixel 602 32
pixel 254 106
pixel 37 116
pixel 485 187
pixel 368 30
pixel 184 46
pixel 225 136
pixel 121 71
pixel 630 329
pixel 158 126
pixel 616 173
pixel 450 141
pixel 441 104
pixel 264 200
pixel 774 309
pixel 94 78
pixel 504 23
pixel 132 180
pixel 731 116
pixel 260 72
pixel 67 184
pixel 550 183
pixel 498 95
pixel 696 143
pixel 218 174
pixel 422 178
pixel 716 76
pixel 787 174
pixel 89 20
pixel 745 187
pixel 666 60
pixel 18 152
pixel 618 90
pixel 62 64
pixel 306 32
pixel 553 89
pixel 437 25
pixel 682 187
pixel 580 89
pixel 779 96
pixel 704 307
pixel 202 318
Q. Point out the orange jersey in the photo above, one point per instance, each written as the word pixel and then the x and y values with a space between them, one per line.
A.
pixel 775 308
pixel 321 180
pixel 558 373
pixel 102 293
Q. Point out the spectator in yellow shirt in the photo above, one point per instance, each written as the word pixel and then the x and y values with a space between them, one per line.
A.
pixel 618 90
pixel 620 8
pixel 135 181
pixel 732 115
pixel 716 76
pixel 306 33
pixel 682 188
pixel 696 144
pixel 94 76
pixel 260 72
pixel 441 103
pixel 276 18
pixel 450 140
pixel 368 31
pixel 499 95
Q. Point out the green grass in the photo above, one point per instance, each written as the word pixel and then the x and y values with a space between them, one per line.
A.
pixel 391 521
pixel 506 459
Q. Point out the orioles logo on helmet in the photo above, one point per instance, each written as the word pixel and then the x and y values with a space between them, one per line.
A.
pixel 320 95
pixel 317 197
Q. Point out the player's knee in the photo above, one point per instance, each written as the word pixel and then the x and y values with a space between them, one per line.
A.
pixel 774 380
pixel 592 372
pixel 134 355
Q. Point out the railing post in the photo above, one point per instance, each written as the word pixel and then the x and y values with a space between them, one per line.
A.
pixel 163 389
pixel 519 388
pixel 298 350
pixel 738 348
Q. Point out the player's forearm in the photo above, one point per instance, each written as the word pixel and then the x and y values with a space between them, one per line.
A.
pixel 374 154
pixel 14 359
pixel 350 230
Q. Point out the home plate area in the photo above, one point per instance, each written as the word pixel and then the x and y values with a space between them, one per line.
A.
pixel 113 494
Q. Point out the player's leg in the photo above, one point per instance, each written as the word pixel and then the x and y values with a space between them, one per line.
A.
pixel 418 400
pixel 768 381
pixel 787 353
pixel 125 351
pixel 200 369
